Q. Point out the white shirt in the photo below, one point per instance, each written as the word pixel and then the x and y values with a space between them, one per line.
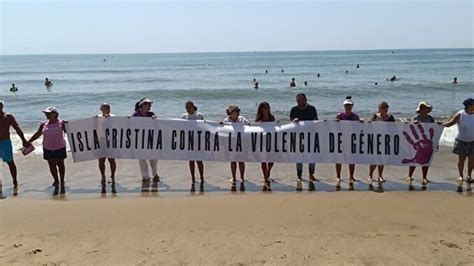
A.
pixel 109 115
pixel 465 127
pixel 194 116
pixel 240 119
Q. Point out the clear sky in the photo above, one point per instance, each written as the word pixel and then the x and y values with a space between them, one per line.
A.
pixel 57 27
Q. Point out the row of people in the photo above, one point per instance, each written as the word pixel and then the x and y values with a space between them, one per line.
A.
pixel 54 144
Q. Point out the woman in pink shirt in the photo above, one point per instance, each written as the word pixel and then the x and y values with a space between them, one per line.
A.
pixel 54 145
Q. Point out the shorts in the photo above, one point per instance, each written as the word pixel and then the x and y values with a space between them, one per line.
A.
pixel 54 155
pixel 6 150
pixel 463 148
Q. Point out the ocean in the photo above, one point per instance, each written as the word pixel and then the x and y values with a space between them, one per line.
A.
pixel 215 80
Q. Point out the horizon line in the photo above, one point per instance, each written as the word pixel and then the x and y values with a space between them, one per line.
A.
pixel 256 51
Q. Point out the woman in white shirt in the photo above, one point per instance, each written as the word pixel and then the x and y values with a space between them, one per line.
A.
pixel 464 143
pixel 233 116
pixel 105 112
pixel 193 114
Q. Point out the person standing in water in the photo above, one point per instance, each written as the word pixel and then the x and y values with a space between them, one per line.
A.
pixel 292 83
pixel 193 114
pixel 48 83
pixel 143 109
pixel 350 116
pixel 464 142
pixel 303 112
pixel 422 116
pixel 384 116
pixel 455 80
pixel 264 114
pixel 54 146
pixel 105 112
pixel 7 120
pixel 233 116
pixel 13 88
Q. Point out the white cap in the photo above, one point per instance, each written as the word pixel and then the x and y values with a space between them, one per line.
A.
pixel 348 101
pixel 146 100
pixel 50 109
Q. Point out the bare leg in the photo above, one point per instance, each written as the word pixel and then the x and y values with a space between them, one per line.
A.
pixel 13 172
pixel 424 171
pixel 371 172
pixel 113 167
pixel 233 170
pixel 54 171
pixel 461 160
pixel 269 169
pixel 201 170
pixel 264 170
pixel 62 170
pixel 470 165
pixel 242 171
pixel 338 171
pixel 351 172
pixel 411 170
pixel 380 169
pixel 102 169
pixel 191 170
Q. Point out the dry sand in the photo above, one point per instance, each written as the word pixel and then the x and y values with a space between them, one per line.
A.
pixel 172 226
pixel 397 228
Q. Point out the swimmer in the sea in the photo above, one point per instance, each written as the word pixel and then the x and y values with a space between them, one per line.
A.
pixel 306 83
pixel 293 83
pixel 48 83
pixel 455 80
pixel 319 75
pixel 256 86
pixel 13 88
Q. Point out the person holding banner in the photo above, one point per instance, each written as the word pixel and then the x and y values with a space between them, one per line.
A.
pixel 142 109
pixel 264 114
pixel 233 116
pixel 193 114
pixel 303 112
pixel 54 145
pixel 384 116
pixel 422 116
pixel 464 143
pixel 6 148
pixel 105 112
pixel 349 116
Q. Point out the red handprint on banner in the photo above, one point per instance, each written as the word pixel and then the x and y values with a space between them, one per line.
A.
pixel 422 145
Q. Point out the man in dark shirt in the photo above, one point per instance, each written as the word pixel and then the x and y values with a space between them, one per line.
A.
pixel 303 112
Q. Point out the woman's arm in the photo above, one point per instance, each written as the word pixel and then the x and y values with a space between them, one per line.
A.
pixel 454 120
pixel 38 134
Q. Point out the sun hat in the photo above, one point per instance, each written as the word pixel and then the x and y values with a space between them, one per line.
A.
pixel 348 101
pixel 423 103
pixel 233 107
pixel 146 100
pixel 50 109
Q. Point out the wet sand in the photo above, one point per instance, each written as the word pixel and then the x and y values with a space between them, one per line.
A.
pixel 83 179
pixel 168 224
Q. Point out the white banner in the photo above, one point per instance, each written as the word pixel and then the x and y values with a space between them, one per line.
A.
pixel 387 143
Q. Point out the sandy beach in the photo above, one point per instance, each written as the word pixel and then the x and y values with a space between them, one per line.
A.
pixel 397 228
pixel 168 224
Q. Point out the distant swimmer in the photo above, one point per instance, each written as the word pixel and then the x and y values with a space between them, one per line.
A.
pixel 306 83
pixel 13 88
pixel 376 83
pixel 357 66
pixel 256 86
pixel 393 78
pixel 455 80
pixel 393 52
pixel 254 80
pixel 48 83
pixel 282 71
pixel 293 83
pixel 319 75
pixel 104 60
pixel 347 71
pixel 266 71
